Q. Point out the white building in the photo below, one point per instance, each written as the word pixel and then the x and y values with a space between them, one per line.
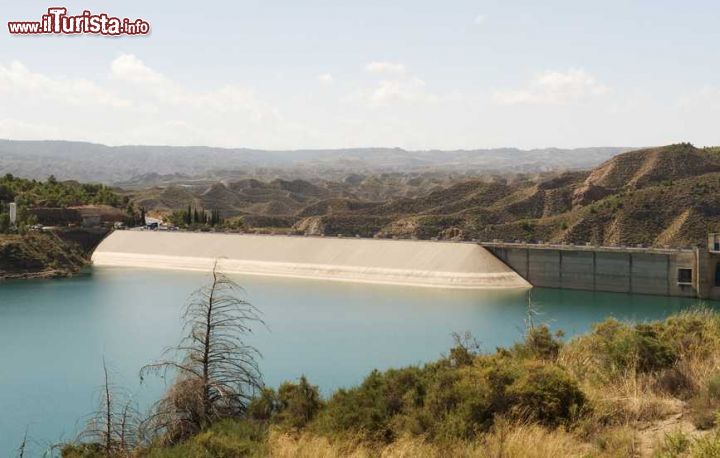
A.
pixel 13 213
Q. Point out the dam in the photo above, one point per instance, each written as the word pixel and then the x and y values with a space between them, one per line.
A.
pixel 688 272
pixel 401 262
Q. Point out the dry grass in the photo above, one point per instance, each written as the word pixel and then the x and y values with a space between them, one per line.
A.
pixel 506 440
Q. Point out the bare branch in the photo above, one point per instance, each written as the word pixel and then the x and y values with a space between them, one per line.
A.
pixel 216 371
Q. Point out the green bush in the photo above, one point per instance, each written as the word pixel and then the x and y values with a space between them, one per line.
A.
pixel 545 393
pixel 298 403
pixel 617 348
pixel 653 352
pixel 674 444
pixel 694 333
pixel 225 439
pixel 459 410
pixel 539 343
pixel 449 401
pixel 706 446
pixel 713 386
pixel 369 408
pixel 265 406
pixel 82 451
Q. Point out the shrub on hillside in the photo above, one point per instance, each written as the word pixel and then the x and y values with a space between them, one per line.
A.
pixel 299 403
pixel 445 401
pixel 694 333
pixel 613 349
pixel 653 352
pixel 265 406
pixel 370 407
pixel 225 439
pixel 539 343
pixel 545 393
pixel 458 404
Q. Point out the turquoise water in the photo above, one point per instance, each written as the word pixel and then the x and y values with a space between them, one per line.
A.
pixel 54 334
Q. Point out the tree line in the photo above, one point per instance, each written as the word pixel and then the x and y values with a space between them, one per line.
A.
pixel 195 216
pixel 50 193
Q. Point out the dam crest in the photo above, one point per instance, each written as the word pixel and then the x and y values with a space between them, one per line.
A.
pixel 402 262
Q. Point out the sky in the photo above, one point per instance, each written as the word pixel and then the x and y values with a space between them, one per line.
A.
pixel 333 74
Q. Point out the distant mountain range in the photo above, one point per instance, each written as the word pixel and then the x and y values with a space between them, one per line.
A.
pixel 149 165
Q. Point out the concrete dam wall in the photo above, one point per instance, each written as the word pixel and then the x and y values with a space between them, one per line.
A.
pixel 662 272
pixel 405 262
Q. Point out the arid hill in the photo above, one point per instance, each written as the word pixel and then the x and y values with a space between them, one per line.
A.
pixel 279 197
pixel 667 196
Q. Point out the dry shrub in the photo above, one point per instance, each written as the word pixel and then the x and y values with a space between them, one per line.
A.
pixel 641 372
pixel 629 400
pixel 282 444
pixel 621 441
pixel 706 447
pixel 674 444
pixel 506 439
pixel 676 381
pixel 526 440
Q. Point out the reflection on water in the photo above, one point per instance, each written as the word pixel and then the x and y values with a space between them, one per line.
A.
pixel 54 333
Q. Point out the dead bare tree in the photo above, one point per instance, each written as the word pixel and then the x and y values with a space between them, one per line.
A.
pixel 216 371
pixel 532 312
pixel 23 445
pixel 114 426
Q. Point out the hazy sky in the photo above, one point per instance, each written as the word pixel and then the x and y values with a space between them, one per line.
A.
pixel 414 74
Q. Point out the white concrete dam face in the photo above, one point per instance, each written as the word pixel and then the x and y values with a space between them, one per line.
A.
pixel 419 263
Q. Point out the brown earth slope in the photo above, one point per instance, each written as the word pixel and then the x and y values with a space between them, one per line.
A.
pixel 665 196
pixel 668 196
pixel 39 255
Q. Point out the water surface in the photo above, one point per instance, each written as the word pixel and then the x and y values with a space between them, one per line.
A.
pixel 54 334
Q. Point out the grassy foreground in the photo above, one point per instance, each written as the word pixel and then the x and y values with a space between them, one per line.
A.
pixel 650 389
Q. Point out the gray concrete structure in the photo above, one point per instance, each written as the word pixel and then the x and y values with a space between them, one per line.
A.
pixel 626 270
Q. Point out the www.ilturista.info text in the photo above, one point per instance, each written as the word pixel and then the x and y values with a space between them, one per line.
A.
pixel 57 21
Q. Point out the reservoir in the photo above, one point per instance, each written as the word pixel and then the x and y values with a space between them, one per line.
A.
pixel 54 334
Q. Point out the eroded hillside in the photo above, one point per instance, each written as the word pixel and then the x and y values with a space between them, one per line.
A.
pixel 667 196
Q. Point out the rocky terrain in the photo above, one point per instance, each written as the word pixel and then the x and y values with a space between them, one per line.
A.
pixel 39 255
pixel 666 196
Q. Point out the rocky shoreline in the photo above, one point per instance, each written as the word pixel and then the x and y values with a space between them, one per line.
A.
pixel 39 256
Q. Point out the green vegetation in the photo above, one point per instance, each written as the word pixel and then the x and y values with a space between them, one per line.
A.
pixel 50 193
pixel 26 253
pixel 620 390
pixel 54 193
pixel 196 218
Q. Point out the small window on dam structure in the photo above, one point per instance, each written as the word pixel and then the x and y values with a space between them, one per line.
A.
pixel 684 277
pixel 717 274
